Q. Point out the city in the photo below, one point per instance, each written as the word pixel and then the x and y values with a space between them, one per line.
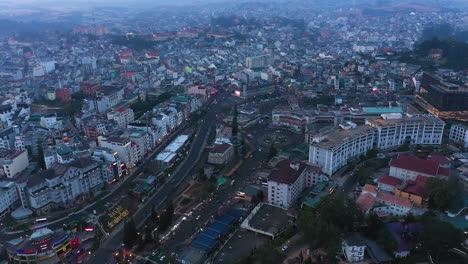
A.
pixel 238 132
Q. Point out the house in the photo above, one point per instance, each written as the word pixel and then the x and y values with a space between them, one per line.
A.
pixel 221 153
pixel 415 191
pixel 388 183
pixel 405 235
pixel 392 205
pixel 353 248
pixel 409 167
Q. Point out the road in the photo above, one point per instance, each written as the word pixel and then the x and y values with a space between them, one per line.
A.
pixel 169 189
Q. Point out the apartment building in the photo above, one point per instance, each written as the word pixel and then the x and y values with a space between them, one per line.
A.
pixel 122 116
pixel 8 197
pixel 123 146
pixel 333 149
pixel 459 134
pixel 393 130
pixel 15 163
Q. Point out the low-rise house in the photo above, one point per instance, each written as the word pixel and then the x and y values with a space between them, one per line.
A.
pixel 353 248
pixel 405 235
pixel 409 167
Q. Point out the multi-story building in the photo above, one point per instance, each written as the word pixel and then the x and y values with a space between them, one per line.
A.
pixel 442 98
pixel 221 153
pixel 15 163
pixel 393 130
pixel 7 138
pixel 8 197
pixel 49 121
pixel 288 179
pixel 259 61
pixel 406 167
pixel 459 134
pixel 63 94
pixel 106 98
pixel 126 150
pixel 122 116
pixel 43 246
pixel 285 184
pixel 287 119
pixel 353 248
pixel 333 149
pixel 64 185
pixel 112 168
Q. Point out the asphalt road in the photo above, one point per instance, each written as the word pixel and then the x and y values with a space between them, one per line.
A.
pixel 168 190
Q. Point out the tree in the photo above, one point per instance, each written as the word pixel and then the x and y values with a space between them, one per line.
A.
pixel 374 225
pixel 234 124
pixel 272 152
pixel 441 193
pixel 148 235
pixel 438 237
pixel 40 156
pixel 130 233
pixel 342 212
pixel 385 239
pixel 319 232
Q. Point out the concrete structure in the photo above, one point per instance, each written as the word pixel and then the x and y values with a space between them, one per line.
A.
pixel 61 186
pixel 221 153
pixel 44 246
pixel 333 149
pixel 289 120
pixel 122 116
pixel 106 98
pixel 8 197
pixel 459 134
pixel 259 61
pixel 15 163
pixel 124 148
pixel 394 130
pixel 353 248
pixel 170 154
pixel 406 167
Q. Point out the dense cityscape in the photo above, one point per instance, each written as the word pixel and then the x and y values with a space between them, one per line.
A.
pixel 244 132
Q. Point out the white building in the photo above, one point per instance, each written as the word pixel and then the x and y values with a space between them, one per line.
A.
pixel 459 134
pixel 259 61
pixel 48 121
pixel 285 184
pixel 122 116
pixel 43 68
pixel 106 99
pixel 394 130
pixel 353 248
pixel 15 163
pixel 333 149
pixel 406 167
pixel 124 148
pixel 8 197
pixel 61 186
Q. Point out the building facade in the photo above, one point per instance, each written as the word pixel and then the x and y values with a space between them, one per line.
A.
pixel 459 134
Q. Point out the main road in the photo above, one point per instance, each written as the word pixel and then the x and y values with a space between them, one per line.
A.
pixel 168 189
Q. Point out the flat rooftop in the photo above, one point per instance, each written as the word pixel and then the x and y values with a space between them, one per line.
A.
pixel 337 136
pixel 416 119
pixel 270 219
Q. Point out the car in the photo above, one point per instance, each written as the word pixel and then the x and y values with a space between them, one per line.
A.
pixel 162 258
pixel 284 248
pixel 198 217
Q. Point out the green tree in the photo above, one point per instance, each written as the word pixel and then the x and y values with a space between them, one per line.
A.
pixel 385 239
pixel 272 152
pixel 130 233
pixel 374 225
pixel 438 237
pixel 342 212
pixel 40 156
pixel 234 123
pixel 441 193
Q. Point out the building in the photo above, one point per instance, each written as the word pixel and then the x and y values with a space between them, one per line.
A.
pixel 406 167
pixel 44 246
pixel 63 94
pixel 285 184
pixel 459 134
pixel 334 148
pixel 123 146
pixel 8 197
pixel 287 119
pixel 64 185
pixel 403 234
pixel 221 153
pixel 90 88
pixel 353 248
pixel 48 121
pixel 171 153
pixel 442 98
pixel 259 61
pixel 15 163
pixel 394 130
pixel 122 116
pixel 106 98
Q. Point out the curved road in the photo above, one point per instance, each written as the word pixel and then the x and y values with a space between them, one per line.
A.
pixel 167 191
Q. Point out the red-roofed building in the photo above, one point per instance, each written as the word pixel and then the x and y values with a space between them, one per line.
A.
pixel 63 94
pixel 392 204
pixel 409 167
pixel 415 190
pixel 388 183
pixel 365 202
pixel 151 55
pixel 90 88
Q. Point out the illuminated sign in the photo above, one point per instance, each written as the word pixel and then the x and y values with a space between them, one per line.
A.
pixel 89 229
pixel 237 93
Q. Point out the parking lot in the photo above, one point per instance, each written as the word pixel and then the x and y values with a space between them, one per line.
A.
pixel 241 244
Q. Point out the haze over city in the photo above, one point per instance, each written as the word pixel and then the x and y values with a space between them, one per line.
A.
pixel 243 132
